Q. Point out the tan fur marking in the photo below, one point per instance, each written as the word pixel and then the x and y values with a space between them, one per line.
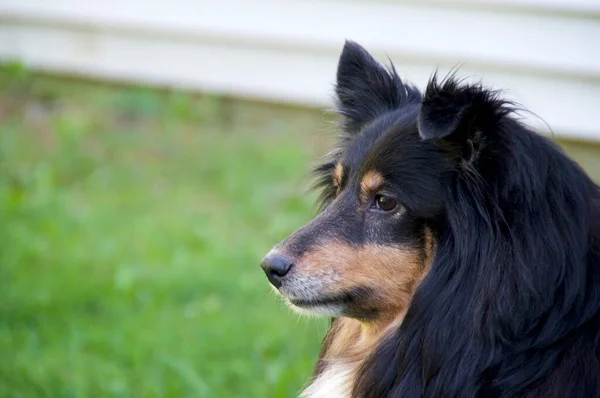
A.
pixel 429 249
pixel 338 174
pixel 394 273
pixel 351 342
pixel 370 183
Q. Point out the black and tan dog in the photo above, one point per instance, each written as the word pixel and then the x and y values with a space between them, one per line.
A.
pixel 457 251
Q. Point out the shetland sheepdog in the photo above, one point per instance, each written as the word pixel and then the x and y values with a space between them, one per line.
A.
pixel 456 251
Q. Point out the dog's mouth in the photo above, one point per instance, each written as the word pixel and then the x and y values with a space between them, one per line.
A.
pixel 345 299
pixel 334 300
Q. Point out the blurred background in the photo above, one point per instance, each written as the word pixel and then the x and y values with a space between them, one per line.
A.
pixel 152 152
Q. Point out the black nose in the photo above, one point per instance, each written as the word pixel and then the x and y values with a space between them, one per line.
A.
pixel 276 266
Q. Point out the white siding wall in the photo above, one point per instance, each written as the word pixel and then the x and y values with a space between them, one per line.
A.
pixel 543 53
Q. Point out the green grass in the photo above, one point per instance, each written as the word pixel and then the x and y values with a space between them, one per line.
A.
pixel 132 225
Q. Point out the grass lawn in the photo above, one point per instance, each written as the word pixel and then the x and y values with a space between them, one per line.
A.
pixel 133 223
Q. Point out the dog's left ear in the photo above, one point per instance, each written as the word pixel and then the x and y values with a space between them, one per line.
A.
pixel 461 114
pixel 365 89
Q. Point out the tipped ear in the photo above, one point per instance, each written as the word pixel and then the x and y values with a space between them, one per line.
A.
pixel 460 113
pixel 365 89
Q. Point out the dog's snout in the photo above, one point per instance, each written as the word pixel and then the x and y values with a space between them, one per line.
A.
pixel 276 266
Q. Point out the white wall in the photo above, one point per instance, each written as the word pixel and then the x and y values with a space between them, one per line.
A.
pixel 542 53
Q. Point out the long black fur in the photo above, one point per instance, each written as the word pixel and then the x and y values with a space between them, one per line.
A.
pixel 511 305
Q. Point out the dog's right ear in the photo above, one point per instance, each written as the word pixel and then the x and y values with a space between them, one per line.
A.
pixel 366 89
pixel 460 114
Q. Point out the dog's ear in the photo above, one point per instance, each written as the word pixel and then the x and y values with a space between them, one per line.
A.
pixel 366 89
pixel 461 114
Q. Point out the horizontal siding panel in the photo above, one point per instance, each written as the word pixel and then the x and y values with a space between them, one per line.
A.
pixel 569 106
pixel 581 7
pixel 447 34
pixel 288 51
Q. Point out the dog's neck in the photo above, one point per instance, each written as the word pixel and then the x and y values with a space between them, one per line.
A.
pixel 347 345
pixel 349 342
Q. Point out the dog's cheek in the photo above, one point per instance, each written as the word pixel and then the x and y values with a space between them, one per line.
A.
pixel 393 272
pixel 390 273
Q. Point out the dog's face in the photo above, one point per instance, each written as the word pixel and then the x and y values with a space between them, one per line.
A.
pixel 365 253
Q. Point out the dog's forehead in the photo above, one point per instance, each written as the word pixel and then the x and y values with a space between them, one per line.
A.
pixel 363 144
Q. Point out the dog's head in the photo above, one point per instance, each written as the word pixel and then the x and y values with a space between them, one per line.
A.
pixel 382 192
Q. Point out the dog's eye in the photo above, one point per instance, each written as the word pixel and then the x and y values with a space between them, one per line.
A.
pixel 385 203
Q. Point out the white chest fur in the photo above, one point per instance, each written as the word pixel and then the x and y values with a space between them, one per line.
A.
pixel 334 382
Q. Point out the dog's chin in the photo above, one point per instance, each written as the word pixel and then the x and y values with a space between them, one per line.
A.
pixel 323 303
pixel 316 309
pixel 312 307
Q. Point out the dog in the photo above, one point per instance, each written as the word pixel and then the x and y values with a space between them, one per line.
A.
pixel 456 250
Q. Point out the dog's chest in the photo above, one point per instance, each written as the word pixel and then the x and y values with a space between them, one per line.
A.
pixel 335 382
